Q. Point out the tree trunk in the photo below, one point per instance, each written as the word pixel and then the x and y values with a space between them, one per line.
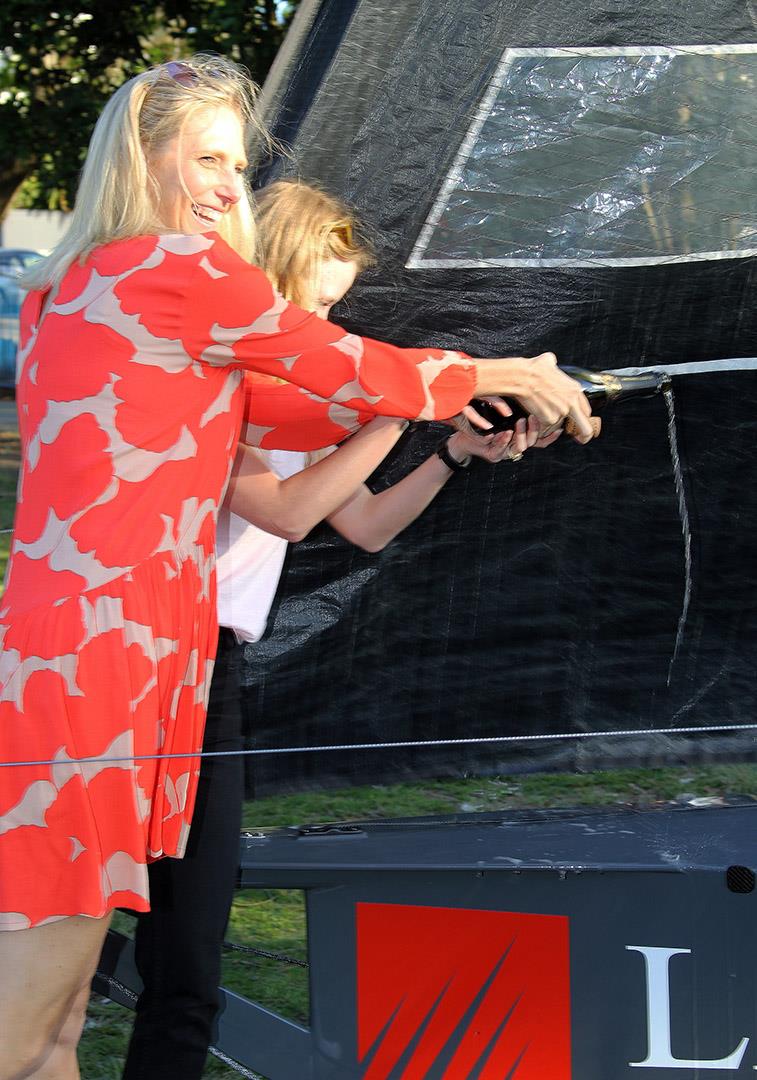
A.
pixel 12 175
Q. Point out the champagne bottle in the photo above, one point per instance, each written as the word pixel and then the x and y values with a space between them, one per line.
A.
pixel 601 388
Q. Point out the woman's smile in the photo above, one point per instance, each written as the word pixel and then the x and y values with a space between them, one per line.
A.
pixel 200 172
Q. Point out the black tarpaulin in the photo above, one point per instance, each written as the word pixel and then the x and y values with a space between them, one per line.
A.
pixel 573 177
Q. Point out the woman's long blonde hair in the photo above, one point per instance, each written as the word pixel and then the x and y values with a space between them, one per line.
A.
pixel 299 226
pixel 118 196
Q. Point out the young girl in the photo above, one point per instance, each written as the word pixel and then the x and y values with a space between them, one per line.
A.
pixel 310 251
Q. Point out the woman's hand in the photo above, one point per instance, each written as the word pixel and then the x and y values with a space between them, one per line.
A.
pixel 541 387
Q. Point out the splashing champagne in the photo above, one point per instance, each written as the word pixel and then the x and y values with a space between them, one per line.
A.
pixel 601 388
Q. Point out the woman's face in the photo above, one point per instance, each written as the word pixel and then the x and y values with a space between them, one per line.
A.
pixel 336 277
pixel 200 171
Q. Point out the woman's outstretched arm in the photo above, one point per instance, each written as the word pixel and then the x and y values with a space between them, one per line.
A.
pixel 233 315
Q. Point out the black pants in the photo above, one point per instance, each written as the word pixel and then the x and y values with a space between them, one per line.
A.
pixel 178 943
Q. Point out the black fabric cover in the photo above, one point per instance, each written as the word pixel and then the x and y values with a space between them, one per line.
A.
pixel 546 597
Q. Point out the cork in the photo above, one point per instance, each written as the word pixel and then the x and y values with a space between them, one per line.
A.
pixel 571 428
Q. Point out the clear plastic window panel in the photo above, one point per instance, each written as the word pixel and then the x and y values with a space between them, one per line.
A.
pixel 598 155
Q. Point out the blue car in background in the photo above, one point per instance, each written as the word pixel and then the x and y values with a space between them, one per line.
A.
pixel 13 261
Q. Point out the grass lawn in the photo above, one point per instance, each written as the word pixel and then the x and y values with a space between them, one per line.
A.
pixel 274 920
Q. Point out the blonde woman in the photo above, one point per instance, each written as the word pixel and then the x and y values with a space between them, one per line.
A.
pixel 310 250
pixel 134 337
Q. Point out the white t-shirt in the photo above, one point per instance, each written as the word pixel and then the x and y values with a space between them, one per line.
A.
pixel 249 560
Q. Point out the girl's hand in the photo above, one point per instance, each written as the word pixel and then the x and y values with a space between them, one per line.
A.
pixel 470 420
pixel 505 445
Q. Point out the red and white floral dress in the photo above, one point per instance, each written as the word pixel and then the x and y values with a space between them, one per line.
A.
pixel 130 404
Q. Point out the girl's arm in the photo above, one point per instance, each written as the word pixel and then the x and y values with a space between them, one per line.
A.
pixel 290 508
pixel 371 521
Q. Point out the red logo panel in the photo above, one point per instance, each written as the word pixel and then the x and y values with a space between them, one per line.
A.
pixel 459 994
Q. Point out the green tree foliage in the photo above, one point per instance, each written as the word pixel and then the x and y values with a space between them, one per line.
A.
pixel 59 62
pixel 249 31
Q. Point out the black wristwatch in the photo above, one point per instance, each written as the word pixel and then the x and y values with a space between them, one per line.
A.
pixel 451 462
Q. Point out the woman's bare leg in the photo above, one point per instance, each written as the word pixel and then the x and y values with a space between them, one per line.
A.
pixel 46 972
pixel 62 1062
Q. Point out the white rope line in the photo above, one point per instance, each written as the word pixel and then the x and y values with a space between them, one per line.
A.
pixel 697 367
pixel 692 730
pixel 235 1065
pixel 115 984
pixel 129 994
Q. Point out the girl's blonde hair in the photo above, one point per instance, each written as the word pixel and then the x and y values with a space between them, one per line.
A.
pixel 118 196
pixel 299 226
